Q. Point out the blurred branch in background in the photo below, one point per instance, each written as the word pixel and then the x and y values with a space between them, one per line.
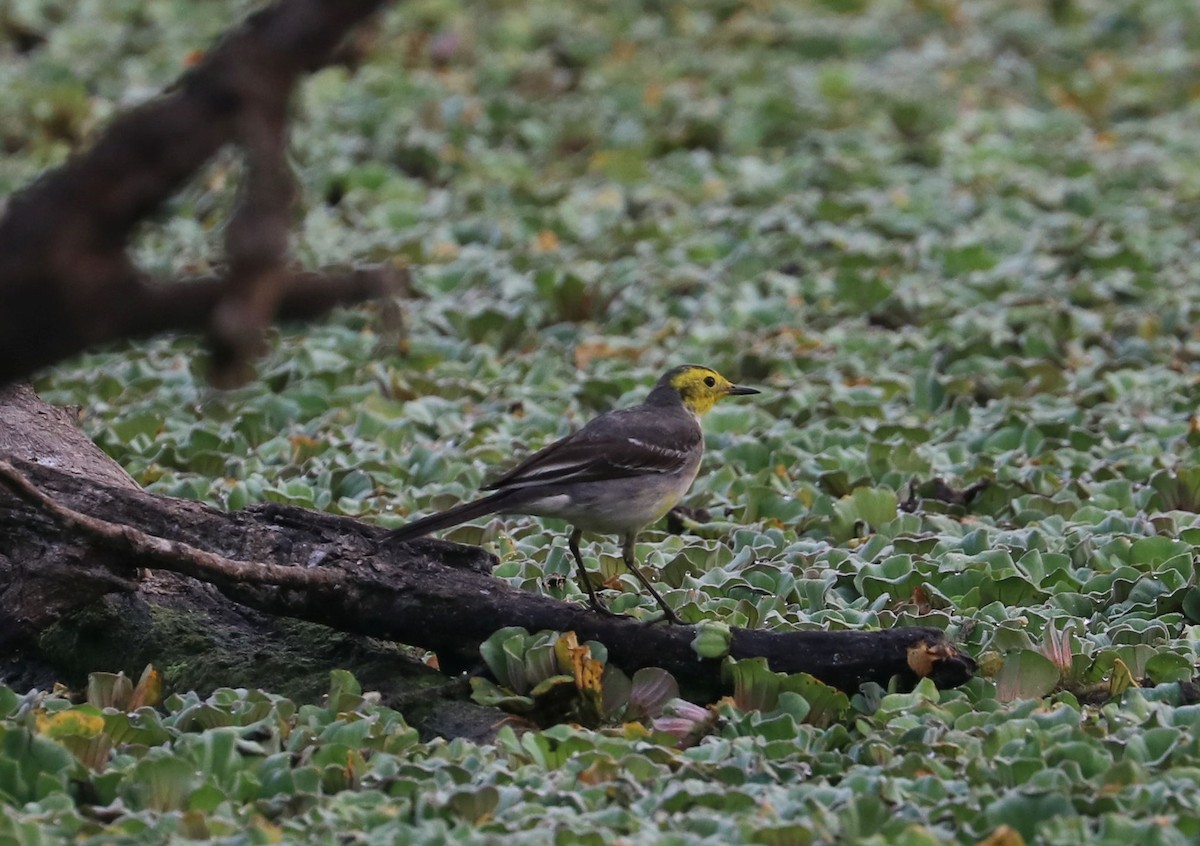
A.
pixel 66 279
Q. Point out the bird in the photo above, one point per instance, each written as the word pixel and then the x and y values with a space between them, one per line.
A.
pixel 621 472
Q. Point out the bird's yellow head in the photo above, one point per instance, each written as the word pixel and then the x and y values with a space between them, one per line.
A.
pixel 698 388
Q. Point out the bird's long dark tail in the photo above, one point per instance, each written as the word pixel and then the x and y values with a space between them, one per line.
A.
pixel 450 517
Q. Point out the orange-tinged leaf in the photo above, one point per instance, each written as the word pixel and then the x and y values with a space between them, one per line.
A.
pixel 268 830
pixel 599 772
pixel 443 251
pixel 588 351
pixel 624 50
pixel 303 446
pixel 148 690
pixel 715 188
pixel 920 598
pixel 1005 835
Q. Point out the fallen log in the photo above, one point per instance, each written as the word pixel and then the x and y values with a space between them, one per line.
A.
pixel 440 596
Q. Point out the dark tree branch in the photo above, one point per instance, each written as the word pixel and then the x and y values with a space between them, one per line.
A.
pixel 66 281
pixel 188 304
pixel 256 241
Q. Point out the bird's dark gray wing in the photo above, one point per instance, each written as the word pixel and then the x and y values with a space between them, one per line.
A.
pixel 607 448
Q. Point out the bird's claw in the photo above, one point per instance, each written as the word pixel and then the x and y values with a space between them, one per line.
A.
pixel 603 610
pixel 668 616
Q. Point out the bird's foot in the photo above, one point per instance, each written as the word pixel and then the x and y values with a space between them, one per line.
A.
pixel 669 617
pixel 604 611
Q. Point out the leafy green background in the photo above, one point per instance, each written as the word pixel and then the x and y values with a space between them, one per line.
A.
pixel 950 240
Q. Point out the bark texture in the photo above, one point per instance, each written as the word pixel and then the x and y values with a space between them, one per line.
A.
pixel 69 606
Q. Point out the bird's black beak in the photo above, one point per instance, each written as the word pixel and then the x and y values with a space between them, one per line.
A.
pixel 739 391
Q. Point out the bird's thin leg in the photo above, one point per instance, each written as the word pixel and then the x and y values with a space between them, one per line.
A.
pixel 573 545
pixel 627 552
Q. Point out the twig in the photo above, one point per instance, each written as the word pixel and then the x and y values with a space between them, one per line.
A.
pixel 174 556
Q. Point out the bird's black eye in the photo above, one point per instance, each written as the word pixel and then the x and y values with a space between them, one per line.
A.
pixel 710 381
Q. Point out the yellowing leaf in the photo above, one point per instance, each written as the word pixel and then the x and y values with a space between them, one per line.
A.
pixel 267 831
pixel 1004 835
pixel 635 731
pixel 564 649
pixel 73 722
pixel 588 673
pixel 990 664
pixel 92 752
pixel 1121 679
pixel 443 251
pixel 578 661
